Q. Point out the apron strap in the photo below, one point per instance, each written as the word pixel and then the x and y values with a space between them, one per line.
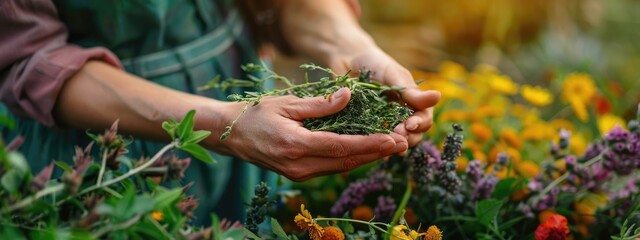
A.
pixel 192 53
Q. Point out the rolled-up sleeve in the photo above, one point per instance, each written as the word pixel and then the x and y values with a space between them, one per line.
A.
pixel 35 58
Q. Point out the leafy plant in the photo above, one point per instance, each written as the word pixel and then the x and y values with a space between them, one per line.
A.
pixel 97 200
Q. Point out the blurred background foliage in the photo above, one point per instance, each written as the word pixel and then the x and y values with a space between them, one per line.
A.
pixel 533 42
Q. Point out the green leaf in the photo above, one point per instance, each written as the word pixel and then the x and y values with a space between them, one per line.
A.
pixel 186 125
pixel 277 229
pixel 63 165
pixel 18 162
pixel 197 136
pixel 166 198
pixel 250 235
pixel 12 180
pixel 504 188
pixel 170 129
pixel 198 152
pixel 235 233
pixel 216 227
pixel 7 122
pixel 487 211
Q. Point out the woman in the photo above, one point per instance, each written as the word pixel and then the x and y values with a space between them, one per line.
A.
pixel 74 64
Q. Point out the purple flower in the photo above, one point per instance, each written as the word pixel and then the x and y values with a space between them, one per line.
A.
pixel 535 184
pixel 485 187
pixel 622 152
pixel 354 195
pixel 547 201
pixel 385 209
pixel 474 170
pixel 422 170
pixel 446 174
pixel 433 152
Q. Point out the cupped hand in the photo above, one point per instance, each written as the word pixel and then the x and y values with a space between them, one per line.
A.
pixel 387 71
pixel 271 135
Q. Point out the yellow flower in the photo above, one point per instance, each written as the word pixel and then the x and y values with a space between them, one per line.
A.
pixel 578 89
pixel 609 121
pixel 433 233
pixel 538 132
pixel 399 232
pixel 502 84
pixel 586 207
pixel 332 233
pixel 452 70
pixel 578 143
pixel 537 95
pixel 579 86
pixel 306 223
pixel 157 215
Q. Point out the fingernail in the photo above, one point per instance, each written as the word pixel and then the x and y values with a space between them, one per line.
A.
pixel 401 147
pixel 412 126
pixel 339 93
pixel 386 146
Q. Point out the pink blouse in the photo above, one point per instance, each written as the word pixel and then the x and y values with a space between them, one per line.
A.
pixel 35 58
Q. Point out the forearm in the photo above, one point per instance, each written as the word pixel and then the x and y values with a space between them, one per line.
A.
pixel 99 94
pixel 320 32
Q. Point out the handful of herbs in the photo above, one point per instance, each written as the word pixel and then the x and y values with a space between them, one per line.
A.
pixel 369 110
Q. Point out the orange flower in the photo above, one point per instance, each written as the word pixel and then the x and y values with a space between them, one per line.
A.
pixel 481 132
pixel 528 169
pixel 306 223
pixel 555 227
pixel 433 233
pixel 157 215
pixel 510 136
pixel 520 195
pixel 332 233
pixel 362 213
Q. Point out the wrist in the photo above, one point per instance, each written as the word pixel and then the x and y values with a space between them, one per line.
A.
pixel 322 33
pixel 215 118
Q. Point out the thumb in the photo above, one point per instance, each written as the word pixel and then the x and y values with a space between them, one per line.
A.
pixel 319 106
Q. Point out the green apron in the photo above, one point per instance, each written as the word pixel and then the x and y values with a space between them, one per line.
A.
pixel 181 44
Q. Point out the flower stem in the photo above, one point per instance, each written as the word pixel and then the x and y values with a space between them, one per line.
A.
pixel 103 167
pixel 400 210
pixel 371 224
pixel 25 202
pixel 564 176
pixel 112 228
pixel 126 175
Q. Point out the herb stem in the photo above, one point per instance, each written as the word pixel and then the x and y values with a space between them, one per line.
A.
pixel 126 175
pixel 25 202
pixel 103 167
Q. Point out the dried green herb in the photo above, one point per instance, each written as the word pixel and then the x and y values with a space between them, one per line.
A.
pixel 369 110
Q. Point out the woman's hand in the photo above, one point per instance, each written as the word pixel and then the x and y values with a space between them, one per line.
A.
pixel 386 70
pixel 328 31
pixel 271 135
